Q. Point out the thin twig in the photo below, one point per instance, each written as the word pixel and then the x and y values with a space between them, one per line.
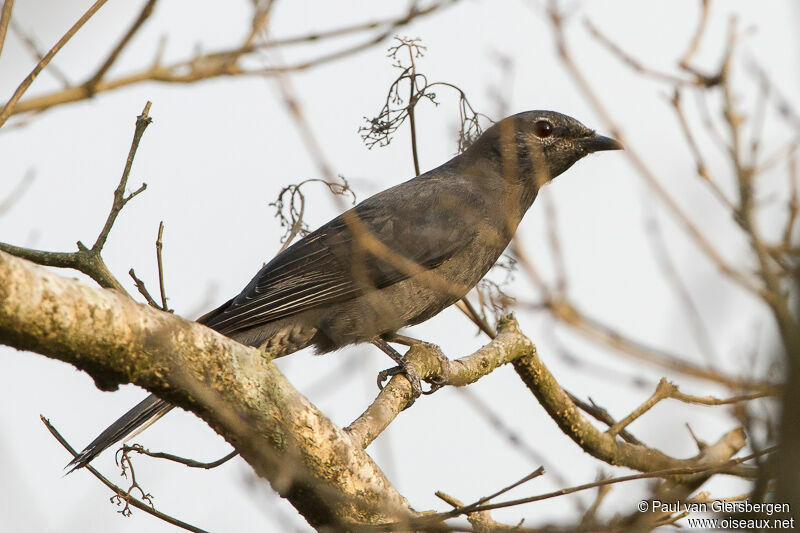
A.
pixel 12 102
pixel 147 10
pixel 119 493
pixel 466 307
pixel 663 390
pixel 89 260
pixel 694 44
pixel 159 246
pixel 601 414
pixel 142 121
pixel 5 18
pixel 431 519
pixel 536 473
pixel 192 463
pixel 218 64
pixel 142 288
pixel 700 165
pixel 699 238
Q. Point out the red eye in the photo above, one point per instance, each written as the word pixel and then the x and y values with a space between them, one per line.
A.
pixel 543 129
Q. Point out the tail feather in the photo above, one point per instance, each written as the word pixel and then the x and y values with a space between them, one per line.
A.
pixel 139 417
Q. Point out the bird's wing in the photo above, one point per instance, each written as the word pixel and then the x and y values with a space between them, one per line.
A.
pixel 329 265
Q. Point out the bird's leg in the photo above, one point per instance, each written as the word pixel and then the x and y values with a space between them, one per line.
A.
pixel 436 383
pixel 404 367
pixel 402 339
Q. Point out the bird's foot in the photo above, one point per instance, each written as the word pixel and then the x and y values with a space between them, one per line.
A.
pixel 407 369
pixel 436 384
pixel 440 381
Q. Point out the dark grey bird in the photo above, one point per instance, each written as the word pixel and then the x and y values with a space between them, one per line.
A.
pixel 396 259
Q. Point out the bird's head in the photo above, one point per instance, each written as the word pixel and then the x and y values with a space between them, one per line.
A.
pixel 542 143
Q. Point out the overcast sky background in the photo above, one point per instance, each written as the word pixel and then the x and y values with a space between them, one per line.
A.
pixel 218 152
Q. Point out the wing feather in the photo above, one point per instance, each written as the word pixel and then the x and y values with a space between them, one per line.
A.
pixel 327 266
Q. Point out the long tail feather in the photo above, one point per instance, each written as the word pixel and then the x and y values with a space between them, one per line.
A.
pixel 142 415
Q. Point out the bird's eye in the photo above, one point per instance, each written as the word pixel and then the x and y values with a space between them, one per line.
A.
pixel 543 129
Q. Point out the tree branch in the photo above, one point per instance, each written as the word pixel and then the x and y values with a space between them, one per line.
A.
pixel 429 362
pixel 8 108
pixel 235 388
pixel 5 17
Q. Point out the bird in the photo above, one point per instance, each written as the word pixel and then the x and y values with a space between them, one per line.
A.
pixel 397 258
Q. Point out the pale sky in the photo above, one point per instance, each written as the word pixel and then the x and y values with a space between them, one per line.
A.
pixel 218 152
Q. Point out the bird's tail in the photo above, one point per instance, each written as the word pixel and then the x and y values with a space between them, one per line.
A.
pixel 142 415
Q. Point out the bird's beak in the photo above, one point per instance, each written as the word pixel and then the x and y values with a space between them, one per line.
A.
pixel 599 143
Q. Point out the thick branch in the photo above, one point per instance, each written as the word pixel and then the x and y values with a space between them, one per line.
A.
pixel 236 389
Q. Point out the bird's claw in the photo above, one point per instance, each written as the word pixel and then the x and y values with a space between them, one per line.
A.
pixel 411 375
pixel 436 384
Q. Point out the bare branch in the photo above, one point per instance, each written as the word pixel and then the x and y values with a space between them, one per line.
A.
pixel 118 492
pixel 142 288
pixel 235 388
pixel 147 10
pixel 225 62
pixel 7 109
pixel 160 263
pixel 89 260
pixel 191 463
pixel 5 18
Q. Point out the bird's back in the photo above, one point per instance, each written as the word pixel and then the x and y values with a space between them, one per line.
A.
pixel 386 263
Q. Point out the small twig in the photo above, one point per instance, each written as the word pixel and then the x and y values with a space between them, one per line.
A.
pixel 90 260
pixel 590 515
pixel 147 10
pixel 5 18
pixel 794 202
pixel 663 390
pixel 142 121
pixel 632 62
pixel 481 522
pixel 700 165
pixel 536 473
pixel 601 414
pixel 116 489
pixel 159 246
pixel 486 519
pixel 218 64
pixel 470 312
pixel 378 131
pixel 124 462
pixel 678 212
pixel 592 328
pixel 143 290
pixel 701 444
pixel 431 519
pixel 177 459
pixel 12 102
pixel 412 102
pixel 33 47
pixel 291 211
pixel 694 45
pixel 710 400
